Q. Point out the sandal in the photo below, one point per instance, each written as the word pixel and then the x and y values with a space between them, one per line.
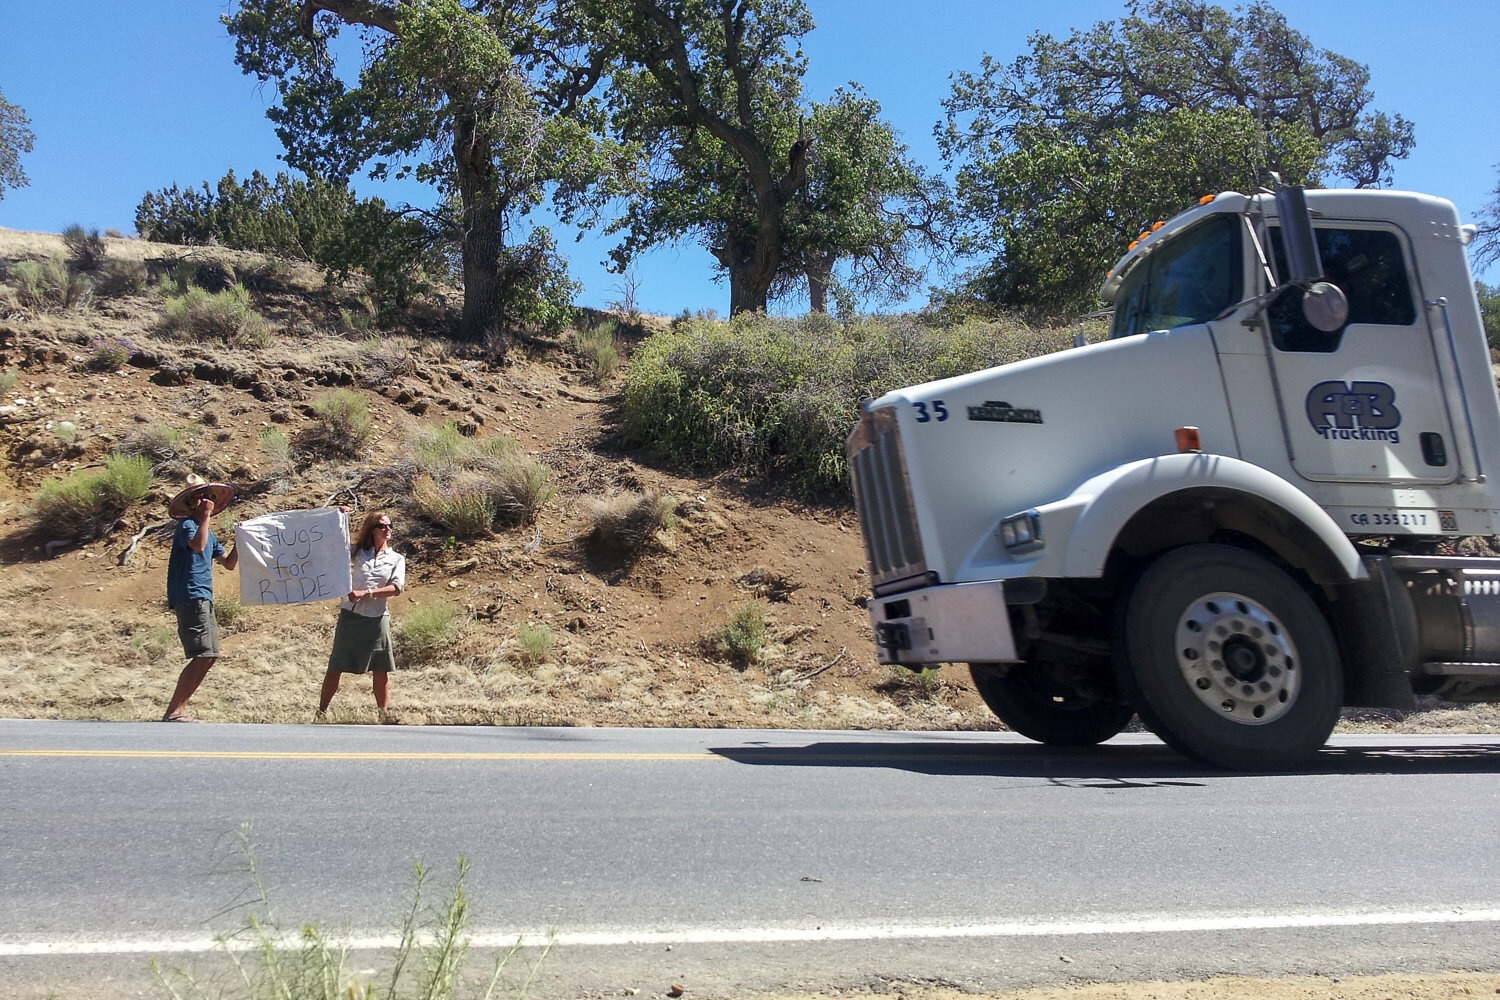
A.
pixel 178 717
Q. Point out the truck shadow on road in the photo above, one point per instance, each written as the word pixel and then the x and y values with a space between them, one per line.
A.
pixel 1109 766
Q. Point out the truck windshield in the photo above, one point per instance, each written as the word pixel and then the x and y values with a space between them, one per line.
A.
pixel 1190 279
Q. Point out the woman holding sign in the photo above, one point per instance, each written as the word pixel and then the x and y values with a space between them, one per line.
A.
pixel 362 638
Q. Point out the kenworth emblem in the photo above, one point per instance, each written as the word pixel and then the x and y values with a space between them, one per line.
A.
pixel 1354 411
pixel 1004 413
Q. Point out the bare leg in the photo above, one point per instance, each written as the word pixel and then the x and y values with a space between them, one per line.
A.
pixel 330 688
pixel 382 679
pixel 187 682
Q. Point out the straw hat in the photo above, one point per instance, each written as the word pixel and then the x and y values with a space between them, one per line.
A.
pixel 182 504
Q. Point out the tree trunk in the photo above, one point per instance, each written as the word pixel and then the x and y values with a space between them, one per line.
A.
pixel 483 239
pixel 751 272
pixel 819 273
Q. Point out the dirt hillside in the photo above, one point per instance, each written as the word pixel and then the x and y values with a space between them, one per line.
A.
pixel 86 633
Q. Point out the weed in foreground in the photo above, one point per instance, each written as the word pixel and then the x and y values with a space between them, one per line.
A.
pixel 159 641
pixel 7 381
pixel 427 963
pixel 742 638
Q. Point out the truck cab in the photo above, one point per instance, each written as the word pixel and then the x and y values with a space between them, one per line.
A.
pixel 1234 516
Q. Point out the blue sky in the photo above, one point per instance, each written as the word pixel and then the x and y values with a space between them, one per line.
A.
pixel 128 96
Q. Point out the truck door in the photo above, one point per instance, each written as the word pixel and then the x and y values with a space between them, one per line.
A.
pixel 1364 403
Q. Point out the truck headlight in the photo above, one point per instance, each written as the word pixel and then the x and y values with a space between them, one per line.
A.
pixel 1022 532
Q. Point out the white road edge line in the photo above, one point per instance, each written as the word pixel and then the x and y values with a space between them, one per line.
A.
pixel 1144 924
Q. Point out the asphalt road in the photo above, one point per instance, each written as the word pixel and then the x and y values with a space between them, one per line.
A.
pixel 729 860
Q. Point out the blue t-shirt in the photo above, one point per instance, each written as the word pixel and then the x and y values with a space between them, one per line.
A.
pixel 190 575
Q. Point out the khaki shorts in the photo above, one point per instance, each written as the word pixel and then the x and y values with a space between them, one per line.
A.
pixel 197 628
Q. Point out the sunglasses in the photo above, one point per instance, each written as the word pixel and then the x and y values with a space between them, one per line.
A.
pixel 384 526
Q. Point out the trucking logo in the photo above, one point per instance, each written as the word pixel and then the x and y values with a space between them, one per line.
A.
pixel 1004 413
pixel 1354 411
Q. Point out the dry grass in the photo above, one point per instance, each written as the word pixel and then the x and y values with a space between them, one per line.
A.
pixel 99 666
pixel 624 523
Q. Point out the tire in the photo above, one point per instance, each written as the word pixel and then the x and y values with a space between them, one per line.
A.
pixel 1038 707
pixel 1229 660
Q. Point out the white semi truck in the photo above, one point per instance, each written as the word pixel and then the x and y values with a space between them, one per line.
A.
pixel 1229 517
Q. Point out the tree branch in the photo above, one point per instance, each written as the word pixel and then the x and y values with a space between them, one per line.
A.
pixel 366 12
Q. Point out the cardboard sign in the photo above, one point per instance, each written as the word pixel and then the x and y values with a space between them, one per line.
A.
pixel 294 557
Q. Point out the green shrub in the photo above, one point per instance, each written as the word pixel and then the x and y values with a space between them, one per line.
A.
pixel 85 247
pixel 743 637
pixel 535 290
pixel 277 448
pixel 342 425
pixel 7 381
pixel 127 478
pixel 600 349
pixel 466 510
pixel 163 445
pixel 198 314
pixel 48 284
pixel 312 220
pixel 533 644
pixel 778 396
pixel 159 641
pixel 427 628
pixel 65 431
pixel 229 613
pixel 121 278
pixel 1489 312
pixel 438 452
pixel 88 501
pixel 109 354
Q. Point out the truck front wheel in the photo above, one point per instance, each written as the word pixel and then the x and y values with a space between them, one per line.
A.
pixel 1228 660
pixel 1029 700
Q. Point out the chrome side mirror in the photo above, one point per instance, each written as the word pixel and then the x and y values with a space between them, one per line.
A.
pixel 1325 306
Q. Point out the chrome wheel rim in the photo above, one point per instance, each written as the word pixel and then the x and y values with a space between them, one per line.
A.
pixel 1238 659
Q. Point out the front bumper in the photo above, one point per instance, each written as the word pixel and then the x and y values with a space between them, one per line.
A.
pixel 951 623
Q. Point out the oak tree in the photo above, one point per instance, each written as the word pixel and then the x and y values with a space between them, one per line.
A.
pixel 710 91
pixel 16 138
pixel 1178 98
pixel 489 103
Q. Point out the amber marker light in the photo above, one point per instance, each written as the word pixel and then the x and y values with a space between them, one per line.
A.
pixel 1205 199
pixel 1187 440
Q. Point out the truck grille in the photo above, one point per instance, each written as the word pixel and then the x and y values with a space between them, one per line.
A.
pixel 882 498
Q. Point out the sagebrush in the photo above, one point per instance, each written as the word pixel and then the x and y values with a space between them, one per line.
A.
pixel 226 317
pixel 87 502
pixel 772 396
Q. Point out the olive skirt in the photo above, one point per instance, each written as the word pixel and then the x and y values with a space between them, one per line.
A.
pixel 361 644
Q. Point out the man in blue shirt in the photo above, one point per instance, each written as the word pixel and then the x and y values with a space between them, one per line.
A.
pixel 190 592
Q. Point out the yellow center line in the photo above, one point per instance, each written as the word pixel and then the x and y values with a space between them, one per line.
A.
pixel 340 755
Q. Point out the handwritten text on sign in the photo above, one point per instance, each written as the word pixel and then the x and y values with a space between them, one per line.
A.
pixel 293 557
